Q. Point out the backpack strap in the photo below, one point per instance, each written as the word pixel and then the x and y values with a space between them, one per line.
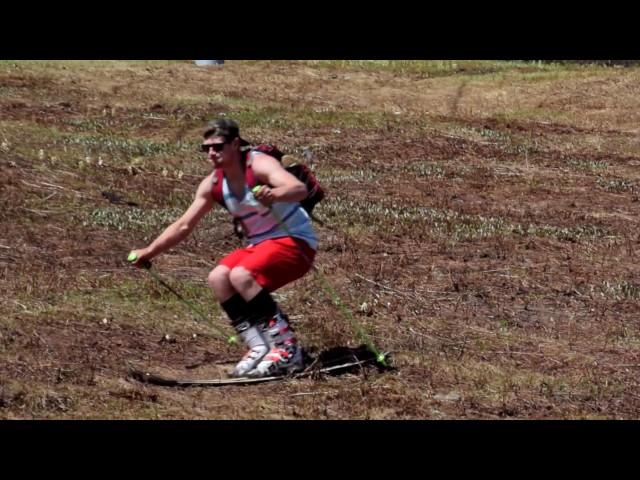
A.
pixel 249 176
pixel 216 187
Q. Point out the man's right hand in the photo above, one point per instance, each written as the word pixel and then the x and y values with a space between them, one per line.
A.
pixel 140 258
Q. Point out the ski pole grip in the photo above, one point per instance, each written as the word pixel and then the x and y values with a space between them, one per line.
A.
pixel 144 264
pixel 255 190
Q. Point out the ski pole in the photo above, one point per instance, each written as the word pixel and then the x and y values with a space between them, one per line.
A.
pixel 146 264
pixel 380 357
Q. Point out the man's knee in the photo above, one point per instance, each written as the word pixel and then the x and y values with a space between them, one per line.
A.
pixel 219 278
pixel 241 279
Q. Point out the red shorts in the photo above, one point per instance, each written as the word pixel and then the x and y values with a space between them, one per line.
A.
pixel 274 262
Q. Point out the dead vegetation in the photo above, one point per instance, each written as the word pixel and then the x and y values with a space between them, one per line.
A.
pixel 481 225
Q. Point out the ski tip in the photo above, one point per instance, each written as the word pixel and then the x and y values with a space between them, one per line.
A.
pixel 146 377
pixel 139 375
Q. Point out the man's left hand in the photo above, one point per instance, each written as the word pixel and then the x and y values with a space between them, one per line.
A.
pixel 265 196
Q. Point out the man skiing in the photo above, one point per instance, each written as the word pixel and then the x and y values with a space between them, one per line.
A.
pixel 281 246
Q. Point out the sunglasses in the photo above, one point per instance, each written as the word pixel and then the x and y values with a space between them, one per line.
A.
pixel 217 147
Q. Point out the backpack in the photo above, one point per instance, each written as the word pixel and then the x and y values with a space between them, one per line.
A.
pixel 315 193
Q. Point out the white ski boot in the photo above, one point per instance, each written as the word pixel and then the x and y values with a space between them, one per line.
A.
pixel 285 355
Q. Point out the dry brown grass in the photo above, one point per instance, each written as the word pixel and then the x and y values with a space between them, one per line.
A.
pixel 487 217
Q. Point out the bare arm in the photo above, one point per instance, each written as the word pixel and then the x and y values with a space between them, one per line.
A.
pixel 181 228
pixel 280 185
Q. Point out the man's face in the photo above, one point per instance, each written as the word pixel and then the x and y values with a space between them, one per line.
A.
pixel 218 150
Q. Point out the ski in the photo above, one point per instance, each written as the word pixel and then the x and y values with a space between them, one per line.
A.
pixel 146 377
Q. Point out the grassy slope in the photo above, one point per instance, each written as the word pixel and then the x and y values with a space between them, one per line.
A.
pixel 481 225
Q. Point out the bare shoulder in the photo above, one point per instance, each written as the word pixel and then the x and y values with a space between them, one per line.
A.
pixel 263 162
pixel 208 179
pixel 206 184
